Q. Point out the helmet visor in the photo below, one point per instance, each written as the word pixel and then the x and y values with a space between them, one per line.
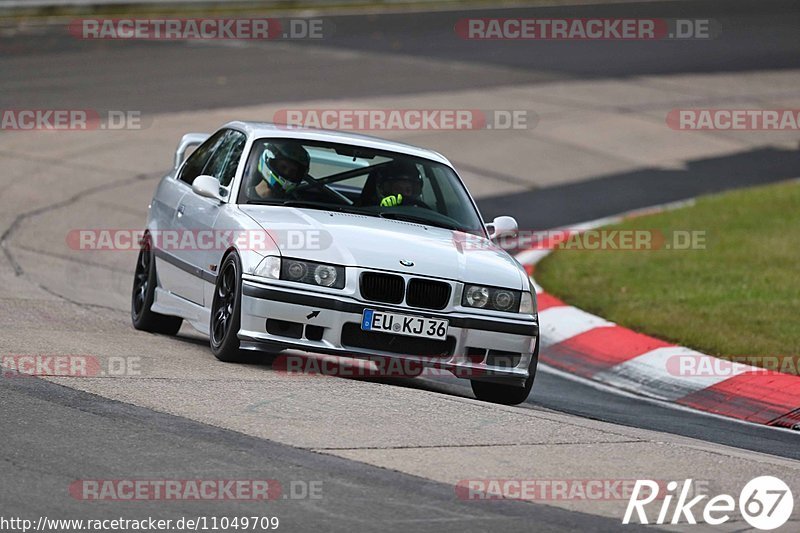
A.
pixel 405 185
pixel 286 168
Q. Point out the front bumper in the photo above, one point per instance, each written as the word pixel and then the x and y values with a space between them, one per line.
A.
pixel 478 347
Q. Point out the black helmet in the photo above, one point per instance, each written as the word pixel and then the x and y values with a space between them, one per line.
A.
pixel 399 171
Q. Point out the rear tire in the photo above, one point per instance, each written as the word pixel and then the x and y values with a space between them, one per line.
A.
pixel 507 394
pixel 226 313
pixel 143 295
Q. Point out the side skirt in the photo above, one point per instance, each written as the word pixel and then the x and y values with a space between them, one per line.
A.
pixel 167 303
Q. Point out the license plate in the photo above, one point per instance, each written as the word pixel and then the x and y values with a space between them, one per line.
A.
pixel 412 326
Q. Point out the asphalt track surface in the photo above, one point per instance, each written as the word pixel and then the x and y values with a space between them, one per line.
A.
pixel 99 435
pixel 50 66
pixel 49 70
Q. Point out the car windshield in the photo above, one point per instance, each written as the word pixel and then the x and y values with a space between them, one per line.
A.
pixel 340 177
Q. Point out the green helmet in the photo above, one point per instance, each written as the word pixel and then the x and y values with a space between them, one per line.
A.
pixel 284 164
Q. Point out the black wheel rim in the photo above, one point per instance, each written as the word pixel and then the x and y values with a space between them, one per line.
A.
pixel 224 301
pixel 141 280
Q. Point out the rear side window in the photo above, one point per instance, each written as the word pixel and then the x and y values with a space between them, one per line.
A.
pixel 197 160
pixel 225 161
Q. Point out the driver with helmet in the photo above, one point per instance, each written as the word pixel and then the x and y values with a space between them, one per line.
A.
pixel 281 168
pixel 399 183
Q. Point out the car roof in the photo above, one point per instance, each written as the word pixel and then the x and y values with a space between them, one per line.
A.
pixel 268 129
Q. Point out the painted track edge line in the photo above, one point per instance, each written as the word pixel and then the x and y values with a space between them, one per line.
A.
pixel 600 386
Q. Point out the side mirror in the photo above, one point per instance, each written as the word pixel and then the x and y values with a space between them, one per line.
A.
pixel 501 226
pixel 207 186
pixel 190 139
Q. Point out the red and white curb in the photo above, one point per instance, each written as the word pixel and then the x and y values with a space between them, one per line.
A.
pixel 594 348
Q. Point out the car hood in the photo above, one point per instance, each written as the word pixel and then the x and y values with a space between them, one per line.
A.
pixel 373 242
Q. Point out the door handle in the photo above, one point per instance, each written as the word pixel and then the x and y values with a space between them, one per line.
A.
pixel 181 209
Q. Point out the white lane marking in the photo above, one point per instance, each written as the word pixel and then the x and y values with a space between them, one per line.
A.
pixel 602 387
pixel 594 224
pixel 564 322
pixel 657 373
pixel 532 256
pixel 538 288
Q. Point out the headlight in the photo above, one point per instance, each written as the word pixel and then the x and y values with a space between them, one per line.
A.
pixel 296 271
pixel 491 298
pixel 476 296
pixel 325 275
pixel 526 305
pixel 503 300
pixel 312 273
pixel 269 267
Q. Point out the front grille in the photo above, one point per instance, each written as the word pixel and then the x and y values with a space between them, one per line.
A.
pixel 379 287
pixel 428 294
pixel 354 337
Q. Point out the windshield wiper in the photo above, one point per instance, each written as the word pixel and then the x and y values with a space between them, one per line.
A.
pixel 310 205
pixel 420 220
pixel 296 203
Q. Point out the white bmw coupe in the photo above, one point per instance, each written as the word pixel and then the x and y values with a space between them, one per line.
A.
pixel 269 238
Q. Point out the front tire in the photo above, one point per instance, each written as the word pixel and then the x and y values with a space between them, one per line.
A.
pixel 226 312
pixel 143 295
pixel 507 394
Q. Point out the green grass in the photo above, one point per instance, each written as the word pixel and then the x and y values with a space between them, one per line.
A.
pixel 740 296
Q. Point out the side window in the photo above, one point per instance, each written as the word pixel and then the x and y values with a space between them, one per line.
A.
pixel 197 161
pixel 226 159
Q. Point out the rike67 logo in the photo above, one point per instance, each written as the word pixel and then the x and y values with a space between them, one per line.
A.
pixel 765 502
